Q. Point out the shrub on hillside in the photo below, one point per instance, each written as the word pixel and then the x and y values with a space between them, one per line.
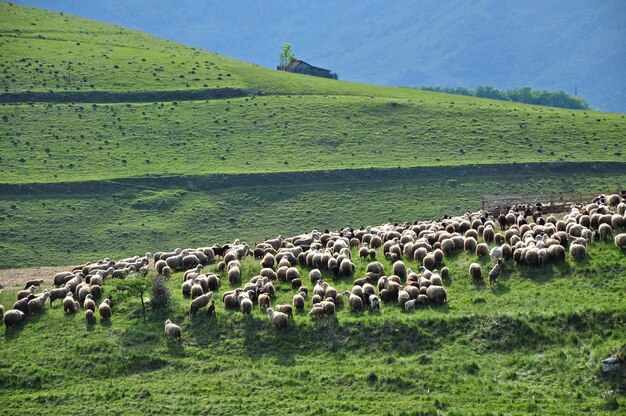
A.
pixel 160 292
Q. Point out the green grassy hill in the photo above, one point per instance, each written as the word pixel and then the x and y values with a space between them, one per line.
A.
pixel 279 122
pixel 87 179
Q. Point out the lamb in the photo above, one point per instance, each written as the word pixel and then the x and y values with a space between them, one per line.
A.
pixel 494 273
pixel 199 303
pixel 410 305
pixel 264 300
pixel 437 294
pixel 37 304
pixel 445 273
pixel 13 317
pixel 172 330
pixel 90 317
pixel 33 283
pixel 89 303
pixel 105 309
pixel 364 252
pixel 278 318
pixel 475 271
pixel 245 305
pixel 620 241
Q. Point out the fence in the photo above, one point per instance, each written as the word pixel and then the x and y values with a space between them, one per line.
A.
pixel 549 202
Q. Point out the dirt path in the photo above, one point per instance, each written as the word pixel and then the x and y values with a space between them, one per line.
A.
pixel 12 278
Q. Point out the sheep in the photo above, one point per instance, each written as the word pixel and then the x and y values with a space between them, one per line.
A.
pixel 37 304
pixel 448 246
pixel 268 261
pixel 68 303
pixel 403 297
pixel 435 279
pixel 606 232
pixel 613 200
pixel 577 251
pixel 33 283
pixel 278 318
pixel 482 249
pixel 374 302
pixel 286 309
pixel 445 273
pixel 475 271
pixel 399 269
pixel 24 293
pixel 105 309
pixel 489 234
pixel 346 267
pixel 315 275
pixel 328 307
pixel 167 271
pixel 196 289
pixel 89 303
pixel 298 301
pixel 470 244
pixel 620 241
pixel 83 291
pixel 437 294
pixel 234 275
pixel 13 317
pixel 231 300
pixel 292 274
pixel 316 311
pixel 264 300
pixel 495 272
pixel 410 305
pixel 375 268
pixel 90 317
pixel 496 253
pixel 60 278
pixel 355 302
pixel 556 252
pixel 269 273
pixel 172 330
pixel 199 303
pixel 245 305
pixel 59 293
pixel 429 261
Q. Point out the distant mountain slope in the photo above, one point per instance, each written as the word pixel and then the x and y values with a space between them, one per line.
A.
pixel 568 45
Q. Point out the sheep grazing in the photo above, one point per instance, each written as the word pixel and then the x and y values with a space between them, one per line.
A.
pixel 355 302
pixel 58 294
pixel 298 302
pixel 13 317
pixel 172 330
pixel 578 251
pixel 199 303
pixel 89 303
pixel 234 275
pixel 316 311
pixel 60 278
pixel 605 231
pixel 196 289
pixel 37 304
pixel 105 309
pixel 429 261
pixel 279 319
pixel 90 317
pixel 620 241
pixel 494 273
pixel 437 294
pixel 33 283
pixel 445 273
pixel 69 305
pixel 482 250
pixel 475 271
pixel 399 269
pixel 264 301
pixel 245 305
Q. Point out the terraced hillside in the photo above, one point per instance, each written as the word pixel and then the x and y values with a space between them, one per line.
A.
pixel 119 139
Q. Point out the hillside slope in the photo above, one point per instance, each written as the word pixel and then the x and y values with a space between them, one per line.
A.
pixel 150 165
pixel 565 45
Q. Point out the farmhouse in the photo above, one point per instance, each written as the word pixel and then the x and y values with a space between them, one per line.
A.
pixel 300 67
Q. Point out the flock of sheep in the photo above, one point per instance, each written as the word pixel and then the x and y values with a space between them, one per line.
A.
pixel 523 235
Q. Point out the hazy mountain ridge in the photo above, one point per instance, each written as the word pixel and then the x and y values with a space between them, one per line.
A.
pixel 556 45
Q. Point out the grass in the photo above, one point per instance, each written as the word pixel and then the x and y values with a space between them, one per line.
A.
pixel 62 226
pixel 533 345
pixel 84 181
